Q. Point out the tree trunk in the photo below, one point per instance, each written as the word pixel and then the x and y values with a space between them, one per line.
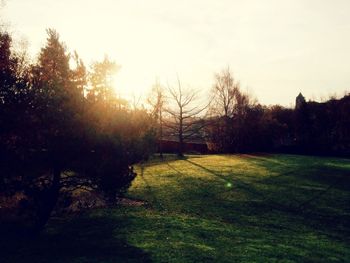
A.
pixel 47 205
pixel 160 134
pixel 181 139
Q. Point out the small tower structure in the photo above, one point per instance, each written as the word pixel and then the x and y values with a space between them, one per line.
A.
pixel 299 101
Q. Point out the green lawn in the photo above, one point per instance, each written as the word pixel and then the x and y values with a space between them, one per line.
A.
pixel 217 208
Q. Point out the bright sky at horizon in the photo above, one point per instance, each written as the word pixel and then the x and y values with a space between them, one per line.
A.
pixel 275 48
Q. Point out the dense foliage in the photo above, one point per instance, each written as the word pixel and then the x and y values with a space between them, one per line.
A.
pixel 55 138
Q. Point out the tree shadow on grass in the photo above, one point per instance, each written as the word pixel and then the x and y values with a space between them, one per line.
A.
pixel 314 170
pixel 150 192
pixel 83 239
pixel 249 188
pixel 287 198
pixel 155 160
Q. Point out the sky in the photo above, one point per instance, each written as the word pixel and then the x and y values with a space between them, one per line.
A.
pixel 275 48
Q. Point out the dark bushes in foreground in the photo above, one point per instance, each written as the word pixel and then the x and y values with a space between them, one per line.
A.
pixel 62 129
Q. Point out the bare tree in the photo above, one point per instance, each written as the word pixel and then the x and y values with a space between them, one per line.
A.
pixel 225 91
pixel 157 101
pixel 185 123
pixel 229 109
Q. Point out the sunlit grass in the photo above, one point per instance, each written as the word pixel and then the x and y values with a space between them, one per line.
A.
pixel 223 208
pixel 218 208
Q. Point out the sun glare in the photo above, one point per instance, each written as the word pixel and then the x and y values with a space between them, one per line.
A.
pixel 148 40
pixel 115 84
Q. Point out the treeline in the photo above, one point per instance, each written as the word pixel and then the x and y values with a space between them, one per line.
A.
pixel 239 124
pixel 234 122
pixel 312 128
pixel 62 128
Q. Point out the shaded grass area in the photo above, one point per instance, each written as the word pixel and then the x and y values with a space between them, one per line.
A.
pixel 217 208
pixel 93 237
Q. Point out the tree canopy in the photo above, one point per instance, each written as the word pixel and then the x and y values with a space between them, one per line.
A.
pixel 54 139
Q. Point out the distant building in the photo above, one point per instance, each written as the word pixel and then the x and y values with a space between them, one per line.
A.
pixel 299 101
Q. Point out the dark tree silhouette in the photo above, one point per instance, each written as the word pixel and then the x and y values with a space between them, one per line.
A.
pixel 52 141
pixel 184 122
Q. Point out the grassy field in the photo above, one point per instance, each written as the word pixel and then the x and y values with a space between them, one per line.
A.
pixel 218 208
